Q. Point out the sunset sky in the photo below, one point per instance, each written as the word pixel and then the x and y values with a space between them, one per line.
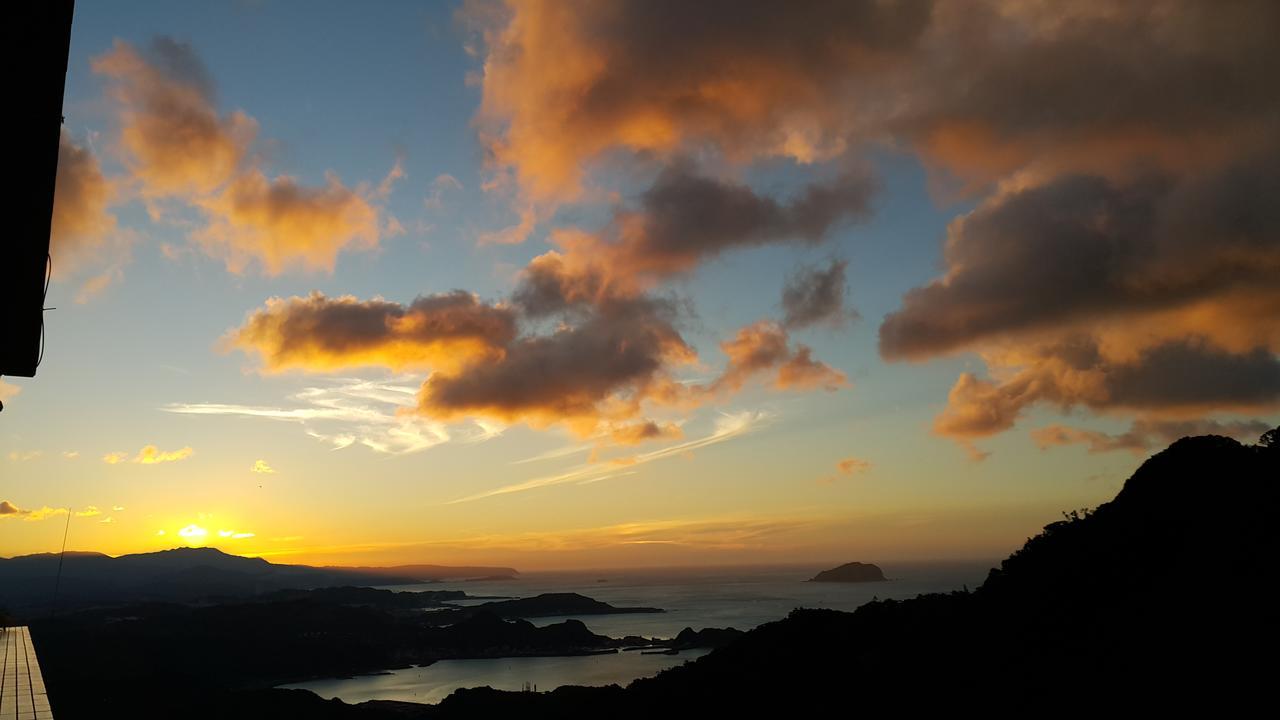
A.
pixel 624 282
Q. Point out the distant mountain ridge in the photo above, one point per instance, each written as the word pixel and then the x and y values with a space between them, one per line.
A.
pixel 187 574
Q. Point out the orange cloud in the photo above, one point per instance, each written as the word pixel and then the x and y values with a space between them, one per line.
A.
pixel 280 224
pixel 1179 379
pixel 764 346
pixel 851 466
pixel 633 433
pixel 177 146
pixel 847 467
pixel 81 221
pixel 173 139
pixel 566 82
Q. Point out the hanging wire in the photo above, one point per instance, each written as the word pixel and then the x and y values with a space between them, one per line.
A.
pixel 57 581
pixel 48 275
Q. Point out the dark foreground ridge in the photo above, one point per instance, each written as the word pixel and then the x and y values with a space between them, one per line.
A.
pixel 1111 606
pixel 854 572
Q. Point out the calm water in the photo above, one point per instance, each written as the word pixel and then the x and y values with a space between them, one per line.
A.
pixel 433 683
pixel 699 598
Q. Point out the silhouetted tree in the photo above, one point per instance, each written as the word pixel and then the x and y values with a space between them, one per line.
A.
pixel 1270 439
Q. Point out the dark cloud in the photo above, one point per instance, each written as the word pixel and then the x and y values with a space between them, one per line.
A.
pixel 559 280
pixel 1091 83
pixel 318 333
pixel 600 369
pixel 816 295
pixel 1186 375
pixel 179 61
pixel 598 372
pixel 685 217
pixel 682 220
pixel 1081 248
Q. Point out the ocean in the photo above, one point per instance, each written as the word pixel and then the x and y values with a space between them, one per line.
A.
pixel 738 597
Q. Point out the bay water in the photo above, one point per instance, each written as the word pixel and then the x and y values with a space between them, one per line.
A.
pixel 738 597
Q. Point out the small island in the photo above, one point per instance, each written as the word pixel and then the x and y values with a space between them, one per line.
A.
pixel 854 572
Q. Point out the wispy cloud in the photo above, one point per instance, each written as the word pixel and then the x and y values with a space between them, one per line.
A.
pixel 442 185
pixel 727 426
pixel 354 411
pixel 555 453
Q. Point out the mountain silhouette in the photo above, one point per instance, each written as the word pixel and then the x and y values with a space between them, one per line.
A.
pixel 184 575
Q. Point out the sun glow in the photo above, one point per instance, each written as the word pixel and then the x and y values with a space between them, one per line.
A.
pixel 194 535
